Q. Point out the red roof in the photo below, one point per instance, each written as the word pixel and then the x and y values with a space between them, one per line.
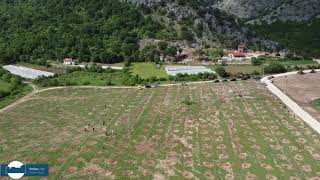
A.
pixel 238 54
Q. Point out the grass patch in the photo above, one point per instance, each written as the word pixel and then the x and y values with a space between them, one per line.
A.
pixel 147 70
pixel 235 69
pixel 4 86
pixel 293 62
pixel 316 104
pixel 91 78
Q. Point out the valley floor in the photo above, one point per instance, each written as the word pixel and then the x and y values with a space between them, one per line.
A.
pixel 224 130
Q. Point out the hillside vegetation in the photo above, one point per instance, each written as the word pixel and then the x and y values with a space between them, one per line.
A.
pixel 100 30
pixel 303 37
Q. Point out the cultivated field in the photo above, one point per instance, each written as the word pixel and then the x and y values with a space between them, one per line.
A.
pixel 304 89
pixel 222 131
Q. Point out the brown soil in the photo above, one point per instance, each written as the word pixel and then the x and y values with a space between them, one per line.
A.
pixel 246 165
pixel 306 168
pixel 145 147
pixel 294 178
pixel 251 176
pixel 271 177
pixel 187 175
pixel 209 175
pixel 303 90
pixel 72 170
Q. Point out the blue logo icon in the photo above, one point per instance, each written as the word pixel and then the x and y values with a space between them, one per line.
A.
pixel 17 170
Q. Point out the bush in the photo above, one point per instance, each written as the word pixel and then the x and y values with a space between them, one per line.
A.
pixel 3 94
pixel 222 72
pixel 275 68
pixel 257 61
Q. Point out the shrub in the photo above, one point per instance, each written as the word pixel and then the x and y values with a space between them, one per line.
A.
pixel 274 68
pixel 222 72
pixel 257 61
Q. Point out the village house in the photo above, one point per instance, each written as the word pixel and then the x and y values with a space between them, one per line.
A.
pixel 240 52
pixel 70 61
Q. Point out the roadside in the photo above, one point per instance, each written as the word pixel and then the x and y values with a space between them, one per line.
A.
pixel 293 106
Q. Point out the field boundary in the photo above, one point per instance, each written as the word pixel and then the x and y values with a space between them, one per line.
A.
pixel 293 106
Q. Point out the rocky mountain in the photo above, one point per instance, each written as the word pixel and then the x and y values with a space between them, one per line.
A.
pixel 269 11
pixel 204 21
pixel 228 22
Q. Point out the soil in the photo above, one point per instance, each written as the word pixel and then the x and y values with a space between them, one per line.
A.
pixel 303 89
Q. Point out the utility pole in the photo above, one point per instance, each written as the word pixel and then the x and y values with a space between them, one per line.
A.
pixel 286 84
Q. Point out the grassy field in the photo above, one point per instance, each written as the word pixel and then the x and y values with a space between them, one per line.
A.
pixel 298 62
pixel 90 78
pixel 4 86
pixel 12 98
pixel 234 69
pixel 198 132
pixel 147 70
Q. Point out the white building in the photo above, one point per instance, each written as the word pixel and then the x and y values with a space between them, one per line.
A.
pixel 70 61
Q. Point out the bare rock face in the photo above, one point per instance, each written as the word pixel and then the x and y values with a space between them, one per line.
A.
pixel 223 22
pixel 269 11
pixel 146 3
pixel 209 25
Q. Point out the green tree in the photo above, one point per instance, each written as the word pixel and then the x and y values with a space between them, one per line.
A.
pixel 222 72
pixel 274 68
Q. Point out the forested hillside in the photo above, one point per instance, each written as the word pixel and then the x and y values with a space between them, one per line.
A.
pixel 301 37
pixel 109 30
pixel 99 30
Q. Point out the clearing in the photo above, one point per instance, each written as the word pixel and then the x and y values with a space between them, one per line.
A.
pixel 147 70
pixel 235 69
pixel 205 131
pixel 303 89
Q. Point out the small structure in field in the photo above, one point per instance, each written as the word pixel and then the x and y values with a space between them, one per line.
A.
pixel 70 61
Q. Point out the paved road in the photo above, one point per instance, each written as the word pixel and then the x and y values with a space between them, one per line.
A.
pixel 306 117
